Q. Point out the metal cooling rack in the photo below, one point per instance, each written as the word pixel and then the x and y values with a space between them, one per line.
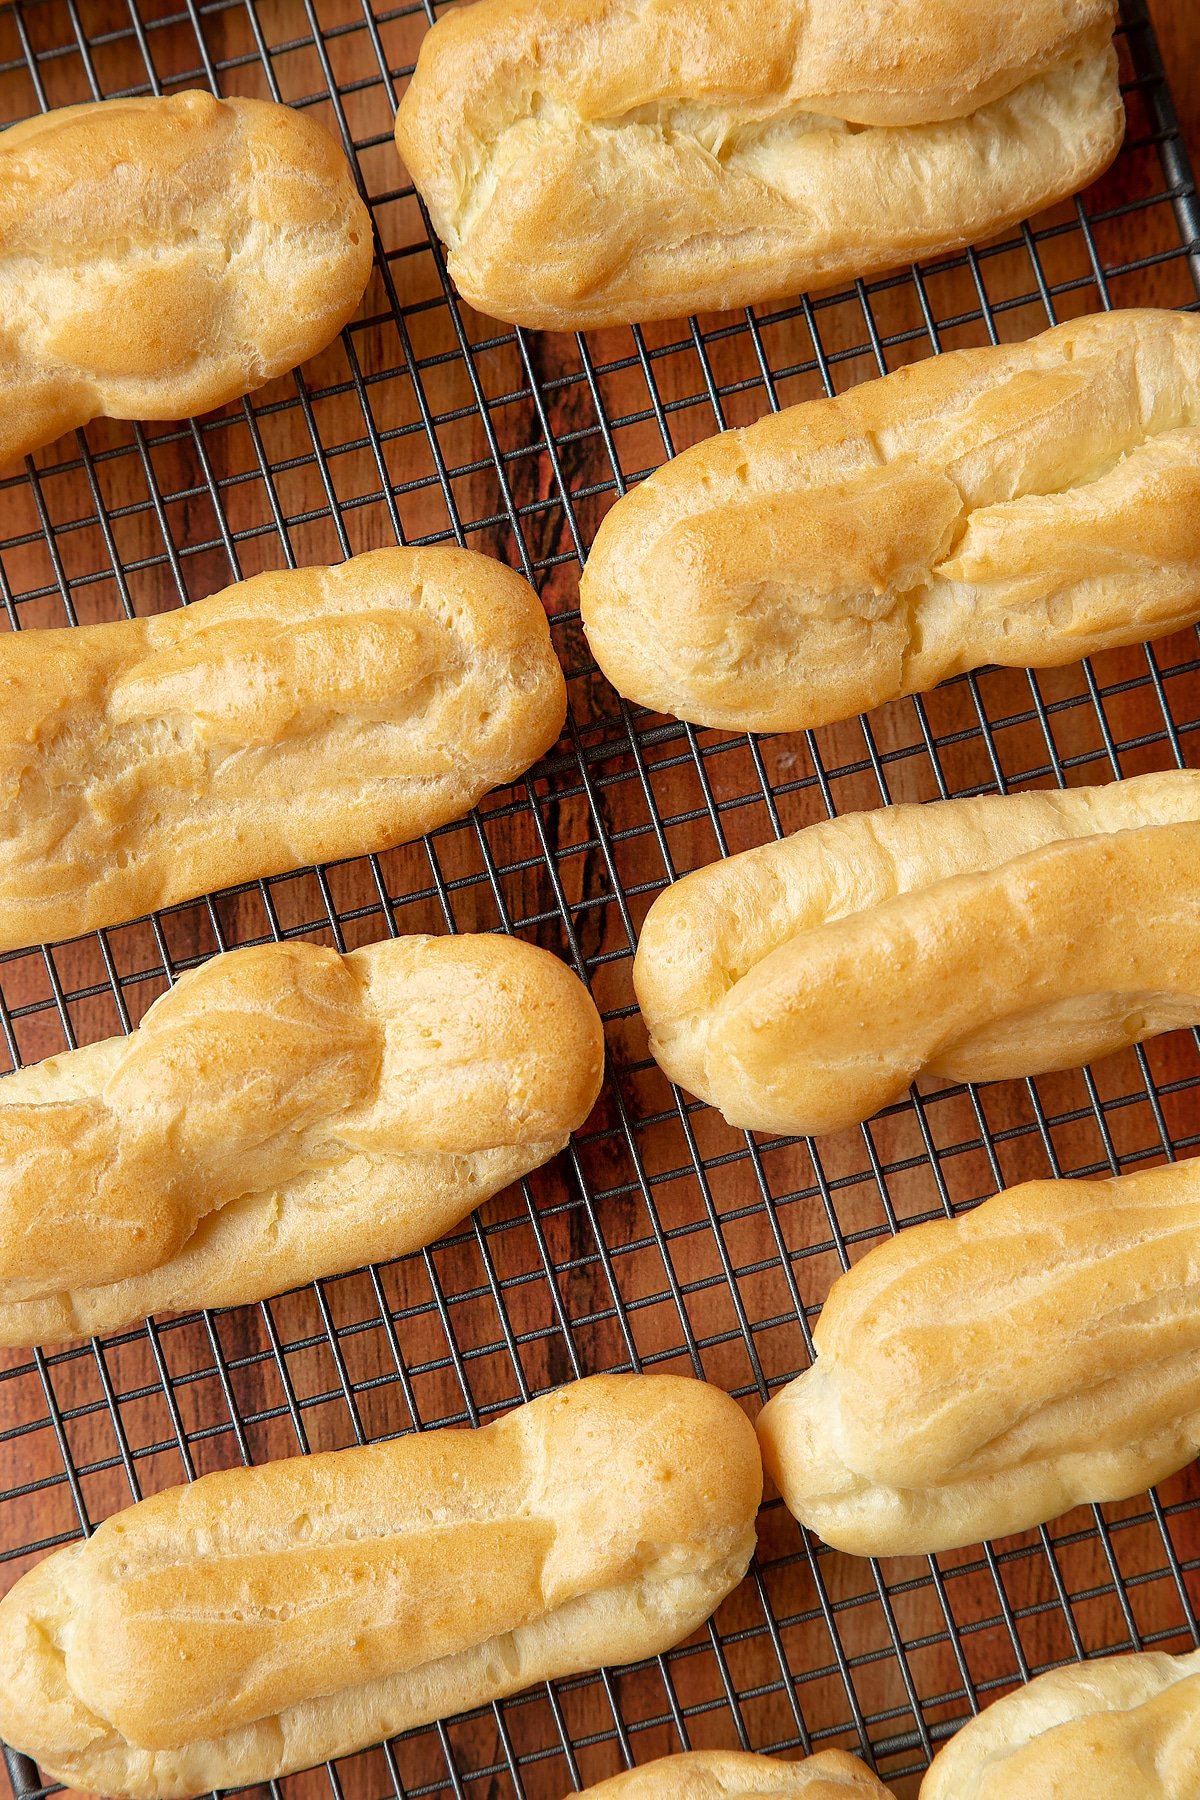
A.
pixel 663 1239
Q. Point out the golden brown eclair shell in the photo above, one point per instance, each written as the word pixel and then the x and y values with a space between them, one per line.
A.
pixel 1115 1728
pixel 298 717
pixel 266 1619
pixel 159 257
pixel 1026 505
pixel 284 1113
pixel 802 986
pixel 737 1775
pixel 591 162
pixel 979 1375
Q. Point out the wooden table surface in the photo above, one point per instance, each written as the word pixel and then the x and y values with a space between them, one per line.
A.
pixel 668 1238
pixel 1177 23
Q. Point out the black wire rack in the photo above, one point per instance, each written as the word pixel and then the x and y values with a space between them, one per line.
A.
pixel 662 1239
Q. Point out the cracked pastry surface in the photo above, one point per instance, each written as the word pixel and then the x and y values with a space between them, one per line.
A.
pixel 737 1775
pixel 266 1619
pixel 280 1114
pixel 1025 505
pixel 802 986
pixel 597 162
pixel 159 257
pixel 979 1375
pixel 1114 1728
pixel 294 718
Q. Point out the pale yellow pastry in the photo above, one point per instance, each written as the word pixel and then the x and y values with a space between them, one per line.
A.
pixel 284 1113
pixel 1116 1728
pixel 802 986
pixel 267 1619
pixel 979 1375
pixel 159 257
pixel 1026 505
pixel 590 162
pixel 294 718
pixel 735 1775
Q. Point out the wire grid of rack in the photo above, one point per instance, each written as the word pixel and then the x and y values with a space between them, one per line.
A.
pixel 663 1239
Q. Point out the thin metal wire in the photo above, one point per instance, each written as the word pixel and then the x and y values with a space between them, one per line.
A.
pixel 661 1239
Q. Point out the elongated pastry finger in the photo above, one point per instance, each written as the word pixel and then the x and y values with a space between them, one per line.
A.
pixel 979 1375
pixel 589 162
pixel 159 257
pixel 1115 1728
pixel 735 1775
pixel 284 1113
pixel 1026 505
pixel 266 1619
pixel 802 986
pixel 294 718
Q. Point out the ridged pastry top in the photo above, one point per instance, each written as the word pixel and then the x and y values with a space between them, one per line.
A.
pixel 269 1618
pixel 979 1375
pixel 736 1775
pixel 590 162
pixel 801 986
pixel 1116 1728
pixel 216 1154
pixel 294 718
pixel 159 257
pixel 1025 505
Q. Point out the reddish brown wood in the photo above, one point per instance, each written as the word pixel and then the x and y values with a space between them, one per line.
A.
pixel 797 1588
pixel 1177 23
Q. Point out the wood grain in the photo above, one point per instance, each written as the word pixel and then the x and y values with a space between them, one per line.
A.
pixel 1177 24
pixel 366 1356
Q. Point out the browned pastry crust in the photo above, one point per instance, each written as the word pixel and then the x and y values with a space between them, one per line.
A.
pixel 1025 505
pixel 284 1113
pixel 802 986
pixel 1116 1728
pixel 267 1619
pixel 159 257
pixel 592 162
pixel 735 1775
pixel 294 718
pixel 979 1375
